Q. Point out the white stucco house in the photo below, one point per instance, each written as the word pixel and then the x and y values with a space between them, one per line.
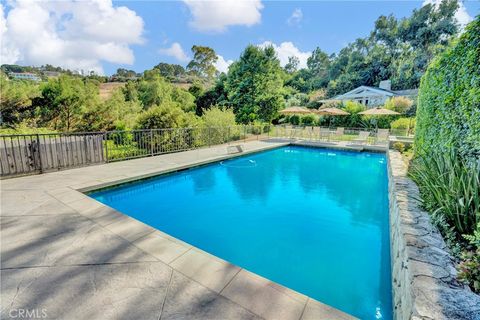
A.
pixel 373 97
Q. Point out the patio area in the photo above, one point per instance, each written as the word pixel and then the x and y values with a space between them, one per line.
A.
pixel 65 255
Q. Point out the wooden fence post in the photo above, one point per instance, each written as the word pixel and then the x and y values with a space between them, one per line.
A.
pixel 105 138
pixel 39 154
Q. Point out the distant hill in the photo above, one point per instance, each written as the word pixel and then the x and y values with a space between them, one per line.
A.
pixel 106 89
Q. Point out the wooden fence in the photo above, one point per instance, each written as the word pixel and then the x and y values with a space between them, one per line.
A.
pixel 37 153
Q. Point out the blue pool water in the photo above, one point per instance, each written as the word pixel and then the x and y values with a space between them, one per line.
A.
pixel 314 220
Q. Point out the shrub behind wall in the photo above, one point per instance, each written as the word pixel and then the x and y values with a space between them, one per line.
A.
pixel 448 114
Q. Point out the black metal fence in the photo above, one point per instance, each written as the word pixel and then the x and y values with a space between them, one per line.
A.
pixel 122 145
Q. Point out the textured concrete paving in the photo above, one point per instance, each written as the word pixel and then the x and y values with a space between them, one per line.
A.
pixel 67 256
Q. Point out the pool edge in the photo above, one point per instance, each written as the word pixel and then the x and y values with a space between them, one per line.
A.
pixel 137 232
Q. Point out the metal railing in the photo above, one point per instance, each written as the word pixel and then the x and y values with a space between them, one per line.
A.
pixel 37 153
pixel 326 134
pixel 122 145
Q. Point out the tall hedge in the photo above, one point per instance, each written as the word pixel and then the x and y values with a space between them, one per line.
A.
pixel 448 114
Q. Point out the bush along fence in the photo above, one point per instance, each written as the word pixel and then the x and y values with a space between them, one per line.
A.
pixel 37 153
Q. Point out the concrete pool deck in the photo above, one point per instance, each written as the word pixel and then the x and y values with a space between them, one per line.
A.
pixel 66 256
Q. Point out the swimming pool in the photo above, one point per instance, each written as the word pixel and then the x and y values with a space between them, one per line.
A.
pixel 314 220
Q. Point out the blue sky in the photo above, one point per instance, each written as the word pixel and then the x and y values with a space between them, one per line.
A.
pixel 141 34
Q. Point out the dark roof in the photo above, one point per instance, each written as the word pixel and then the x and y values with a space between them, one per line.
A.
pixel 408 92
pixel 381 89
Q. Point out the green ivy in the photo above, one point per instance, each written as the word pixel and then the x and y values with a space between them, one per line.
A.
pixel 448 114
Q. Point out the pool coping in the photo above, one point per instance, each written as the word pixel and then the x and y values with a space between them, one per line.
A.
pixel 236 284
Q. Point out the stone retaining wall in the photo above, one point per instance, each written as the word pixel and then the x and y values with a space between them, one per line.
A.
pixel 423 274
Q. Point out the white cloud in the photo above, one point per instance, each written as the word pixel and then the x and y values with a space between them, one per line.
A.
pixel 216 16
pixel 222 64
pixel 175 51
pixel 9 54
pixel 295 18
pixel 70 34
pixel 461 15
pixel 286 50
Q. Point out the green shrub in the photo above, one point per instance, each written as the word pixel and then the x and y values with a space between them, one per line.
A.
pixel 161 117
pixel 354 119
pixel 294 119
pixel 216 117
pixel 121 134
pixel 403 124
pixel 398 104
pixel 450 188
pixel 448 110
pixel 399 146
pixel 220 126
pixel 22 129
pixel 308 120
pixel 165 117
pixel 298 99
pixel 469 267
pixel 122 151
pixel 474 239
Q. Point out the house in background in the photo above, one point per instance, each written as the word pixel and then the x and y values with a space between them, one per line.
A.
pixel 51 74
pixel 24 76
pixel 373 97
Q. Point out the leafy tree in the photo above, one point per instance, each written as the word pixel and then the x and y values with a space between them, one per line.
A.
pixel 213 96
pixel 319 63
pixel 153 90
pixel 111 114
pixel 429 25
pixel 218 125
pixel 399 50
pixel 170 71
pixel 63 100
pixel 16 100
pixel 297 99
pixel 49 67
pixel 161 117
pixel 300 80
pixel 255 85
pixel 386 31
pixel 183 98
pixel 196 89
pixel 216 117
pixel 124 73
pixel 203 62
pixel 292 64
pixel 7 68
